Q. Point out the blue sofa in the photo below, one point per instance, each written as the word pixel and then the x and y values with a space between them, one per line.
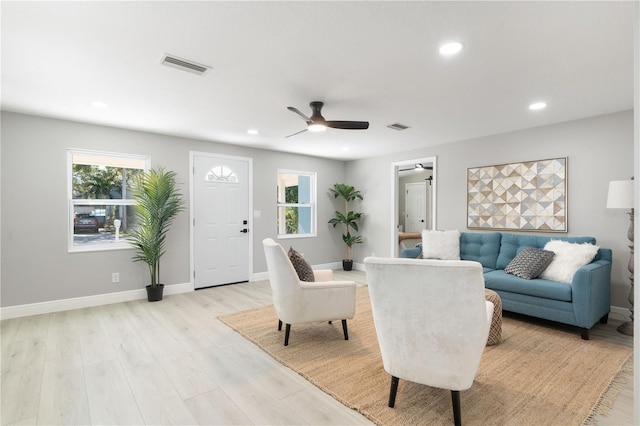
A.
pixel 582 303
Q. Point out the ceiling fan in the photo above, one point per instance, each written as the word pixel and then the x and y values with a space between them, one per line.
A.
pixel 317 123
pixel 417 167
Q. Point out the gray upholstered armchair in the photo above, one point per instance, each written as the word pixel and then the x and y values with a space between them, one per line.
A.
pixel 298 302
pixel 432 321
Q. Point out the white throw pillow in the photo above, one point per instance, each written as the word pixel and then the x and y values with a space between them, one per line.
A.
pixel 569 257
pixel 443 245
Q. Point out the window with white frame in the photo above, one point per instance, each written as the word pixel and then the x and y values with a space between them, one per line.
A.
pixel 296 204
pixel 100 187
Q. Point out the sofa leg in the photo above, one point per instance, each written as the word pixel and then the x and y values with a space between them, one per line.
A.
pixel 605 318
pixel 344 328
pixel 393 390
pixel 584 333
pixel 279 325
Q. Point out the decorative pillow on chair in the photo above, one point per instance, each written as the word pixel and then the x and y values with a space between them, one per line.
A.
pixel 568 259
pixel 444 245
pixel 529 263
pixel 302 267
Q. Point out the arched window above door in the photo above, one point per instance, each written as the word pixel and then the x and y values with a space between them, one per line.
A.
pixel 221 174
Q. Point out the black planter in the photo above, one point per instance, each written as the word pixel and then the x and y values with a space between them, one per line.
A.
pixel 154 294
pixel 347 265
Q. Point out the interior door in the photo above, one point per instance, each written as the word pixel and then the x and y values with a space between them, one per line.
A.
pixel 221 220
pixel 415 206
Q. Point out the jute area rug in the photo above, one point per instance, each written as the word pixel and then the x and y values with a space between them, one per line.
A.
pixel 535 376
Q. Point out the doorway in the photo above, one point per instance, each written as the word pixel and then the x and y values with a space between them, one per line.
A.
pixel 418 170
pixel 220 206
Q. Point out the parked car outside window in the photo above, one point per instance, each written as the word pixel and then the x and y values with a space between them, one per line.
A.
pixel 85 222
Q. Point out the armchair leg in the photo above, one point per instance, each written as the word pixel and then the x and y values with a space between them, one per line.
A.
pixel 393 391
pixel 279 325
pixel 287 330
pixel 457 416
pixel 604 319
pixel 344 328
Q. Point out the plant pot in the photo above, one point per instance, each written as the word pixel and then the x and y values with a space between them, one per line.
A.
pixel 347 265
pixel 154 294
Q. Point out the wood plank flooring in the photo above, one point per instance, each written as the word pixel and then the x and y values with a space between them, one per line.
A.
pixel 173 362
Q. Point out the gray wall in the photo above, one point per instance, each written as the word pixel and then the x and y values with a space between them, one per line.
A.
pixel 599 149
pixel 36 266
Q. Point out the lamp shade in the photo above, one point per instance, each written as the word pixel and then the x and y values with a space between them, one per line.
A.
pixel 620 194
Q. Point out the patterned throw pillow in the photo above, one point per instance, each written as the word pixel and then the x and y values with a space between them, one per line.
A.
pixel 529 263
pixel 302 267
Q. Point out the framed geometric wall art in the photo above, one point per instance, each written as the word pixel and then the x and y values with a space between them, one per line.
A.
pixel 528 196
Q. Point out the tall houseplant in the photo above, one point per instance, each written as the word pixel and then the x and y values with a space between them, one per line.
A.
pixel 158 201
pixel 349 220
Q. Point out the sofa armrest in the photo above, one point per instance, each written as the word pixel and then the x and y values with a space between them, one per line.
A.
pixel 411 253
pixel 591 292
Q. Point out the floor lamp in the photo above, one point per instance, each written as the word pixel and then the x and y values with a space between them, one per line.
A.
pixel 621 197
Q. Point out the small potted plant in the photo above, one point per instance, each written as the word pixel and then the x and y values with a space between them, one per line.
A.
pixel 158 201
pixel 349 220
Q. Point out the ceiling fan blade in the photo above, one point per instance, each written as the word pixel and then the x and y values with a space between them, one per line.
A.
pixel 297 111
pixel 348 125
pixel 293 134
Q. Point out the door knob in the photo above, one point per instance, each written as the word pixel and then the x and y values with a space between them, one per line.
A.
pixel 244 231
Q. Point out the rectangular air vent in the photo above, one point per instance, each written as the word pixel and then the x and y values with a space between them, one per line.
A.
pixel 183 64
pixel 398 126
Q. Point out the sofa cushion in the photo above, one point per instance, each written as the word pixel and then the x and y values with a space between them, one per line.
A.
pixel 511 244
pixel 569 257
pixel 529 263
pixel 302 267
pixel 444 245
pixel 480 247
pixel 501 281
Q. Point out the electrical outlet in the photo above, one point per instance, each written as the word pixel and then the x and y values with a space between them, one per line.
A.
pixel 115 277
pixel 373 254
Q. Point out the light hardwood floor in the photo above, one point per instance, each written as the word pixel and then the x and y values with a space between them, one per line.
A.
pixel 173 362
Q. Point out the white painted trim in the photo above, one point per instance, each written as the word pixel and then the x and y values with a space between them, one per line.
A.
pixel 18 311
pixel 250 218
pixel 395 166
pixel 620 313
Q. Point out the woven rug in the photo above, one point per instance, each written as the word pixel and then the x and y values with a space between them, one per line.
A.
pixel 535 376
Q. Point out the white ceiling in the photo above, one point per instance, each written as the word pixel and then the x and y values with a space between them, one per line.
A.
pixel 375 61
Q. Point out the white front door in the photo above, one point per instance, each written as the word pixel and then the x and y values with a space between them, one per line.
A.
pixel 220 220
pixel 415 206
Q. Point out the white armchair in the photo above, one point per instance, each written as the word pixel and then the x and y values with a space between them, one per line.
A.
pixel 298 302
pixel 432 321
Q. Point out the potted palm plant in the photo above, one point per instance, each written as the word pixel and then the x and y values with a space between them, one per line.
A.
pixel 349 220
pixel 158 201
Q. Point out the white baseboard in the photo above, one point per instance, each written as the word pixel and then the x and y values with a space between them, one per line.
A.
pixel 85 302
pixel 620 313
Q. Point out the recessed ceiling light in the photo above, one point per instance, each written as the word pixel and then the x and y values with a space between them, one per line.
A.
pixel 537 106
pixel 99 104
pixel 345 148
pixel 450 48
pixel 252 131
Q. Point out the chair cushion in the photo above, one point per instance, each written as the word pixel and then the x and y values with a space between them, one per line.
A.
pixel 444 245
pixel 569 257
pixel 529 263
pixel 302 267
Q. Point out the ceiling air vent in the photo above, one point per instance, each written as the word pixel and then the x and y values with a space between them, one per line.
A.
pixel 183 64
pixel 398 126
